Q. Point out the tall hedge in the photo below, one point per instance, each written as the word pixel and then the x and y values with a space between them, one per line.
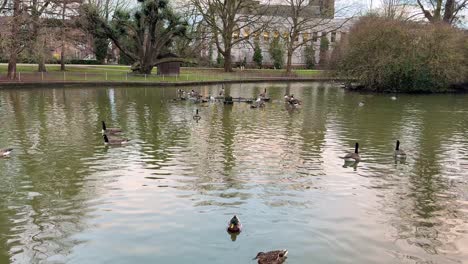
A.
pixel 402 56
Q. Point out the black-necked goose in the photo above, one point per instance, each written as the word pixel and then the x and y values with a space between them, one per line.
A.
pixel 353 156
pixel 114 141
pixel 110 130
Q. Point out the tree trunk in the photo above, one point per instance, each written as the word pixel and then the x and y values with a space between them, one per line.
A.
pixel 62 52
pixel 227 60
pixel 449 11
pixel 289 62
pixel 14 41
pixel 12 66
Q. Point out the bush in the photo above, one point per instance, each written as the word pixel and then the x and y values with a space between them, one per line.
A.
pixel 309 53
pixel 392 55
pixel 257 56
pixel 84 62
pixel 277 53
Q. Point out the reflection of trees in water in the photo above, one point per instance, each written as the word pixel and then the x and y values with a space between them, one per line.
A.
pixel 45 195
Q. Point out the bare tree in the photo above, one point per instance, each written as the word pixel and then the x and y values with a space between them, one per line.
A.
pixel 301 20
pixel 446 11
pixel 227 17
pixel 15 46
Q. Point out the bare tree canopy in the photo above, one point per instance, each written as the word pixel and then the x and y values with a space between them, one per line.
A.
pixel 447 11
pixel 225 17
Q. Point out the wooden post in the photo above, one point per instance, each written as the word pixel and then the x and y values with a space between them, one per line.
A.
pixel 64 77
pixel 126 76
pixel 19 76
pixel 85 77
pixel 145 76
pixel 106 76
pixel 42 76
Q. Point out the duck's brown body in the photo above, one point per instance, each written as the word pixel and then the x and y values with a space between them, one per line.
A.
pixel 272 257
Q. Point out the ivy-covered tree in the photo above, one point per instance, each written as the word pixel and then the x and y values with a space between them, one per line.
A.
pixel 277 53
pixel 309 53
pixel 143 35
pixel 257 56
pixel 324 47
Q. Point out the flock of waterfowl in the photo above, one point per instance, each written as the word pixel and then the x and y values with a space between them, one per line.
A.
pixel 111 137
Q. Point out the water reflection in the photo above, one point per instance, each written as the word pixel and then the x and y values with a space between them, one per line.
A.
pixel 67 198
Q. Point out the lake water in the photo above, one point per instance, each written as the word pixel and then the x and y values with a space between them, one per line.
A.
pixel 167 196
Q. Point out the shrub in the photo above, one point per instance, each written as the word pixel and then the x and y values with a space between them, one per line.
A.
pixel 309 53
pixel 257 56
pixel 392 55
pixel 277 53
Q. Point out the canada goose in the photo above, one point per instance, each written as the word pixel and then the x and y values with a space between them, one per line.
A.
pixel 110 130
pixel 272 257
pixel 234 225
pixel 5 152
pixel 114 141
pixel 399 153
pixel 353 156
pixel 263 94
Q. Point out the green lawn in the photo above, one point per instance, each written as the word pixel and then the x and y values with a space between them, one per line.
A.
pixel 122 73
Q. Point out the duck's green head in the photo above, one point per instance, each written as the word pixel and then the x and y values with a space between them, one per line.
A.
pixel 234 221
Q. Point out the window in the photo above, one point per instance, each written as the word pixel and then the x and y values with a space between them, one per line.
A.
pixel 236 34
pixel 246 32
pixel 256 36
pixel 276 34
pixel 305 37
pixel 324 34
pixel 333 37
pixel 285 35
pixel 296 38
pixel 315 37
pixel 266 36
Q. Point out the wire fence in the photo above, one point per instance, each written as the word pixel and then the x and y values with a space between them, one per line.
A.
pixel 73 76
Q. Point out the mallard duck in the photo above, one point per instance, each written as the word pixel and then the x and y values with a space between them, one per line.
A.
pixel 272 257
pixel 399 153
pixel 110 130
pixel 353 156
pixel 5 152
pixel 234 225
pixel 114 141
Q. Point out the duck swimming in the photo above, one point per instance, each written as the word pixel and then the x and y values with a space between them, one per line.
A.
pixel 110 130
pixel 114 141
pixel 399 153
pixel 272 257
pixel 5 152
pixel 235 225
pixel 353 156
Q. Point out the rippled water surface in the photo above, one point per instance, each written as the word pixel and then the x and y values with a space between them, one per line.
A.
pixel 167 196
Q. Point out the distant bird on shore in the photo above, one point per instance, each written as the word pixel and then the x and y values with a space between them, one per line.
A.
pixel 393 98
pixel 5 152
pixel 361 103
pixel 353 156
pixel 272 257
pixel 114 141
pixel 110 130
pixel 399 153
pixel 234 225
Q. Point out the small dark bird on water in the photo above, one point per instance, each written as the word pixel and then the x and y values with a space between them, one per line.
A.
pixel 235 225
pixel 5 152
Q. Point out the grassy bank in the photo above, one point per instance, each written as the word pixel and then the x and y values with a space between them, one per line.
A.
pixel 119 73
